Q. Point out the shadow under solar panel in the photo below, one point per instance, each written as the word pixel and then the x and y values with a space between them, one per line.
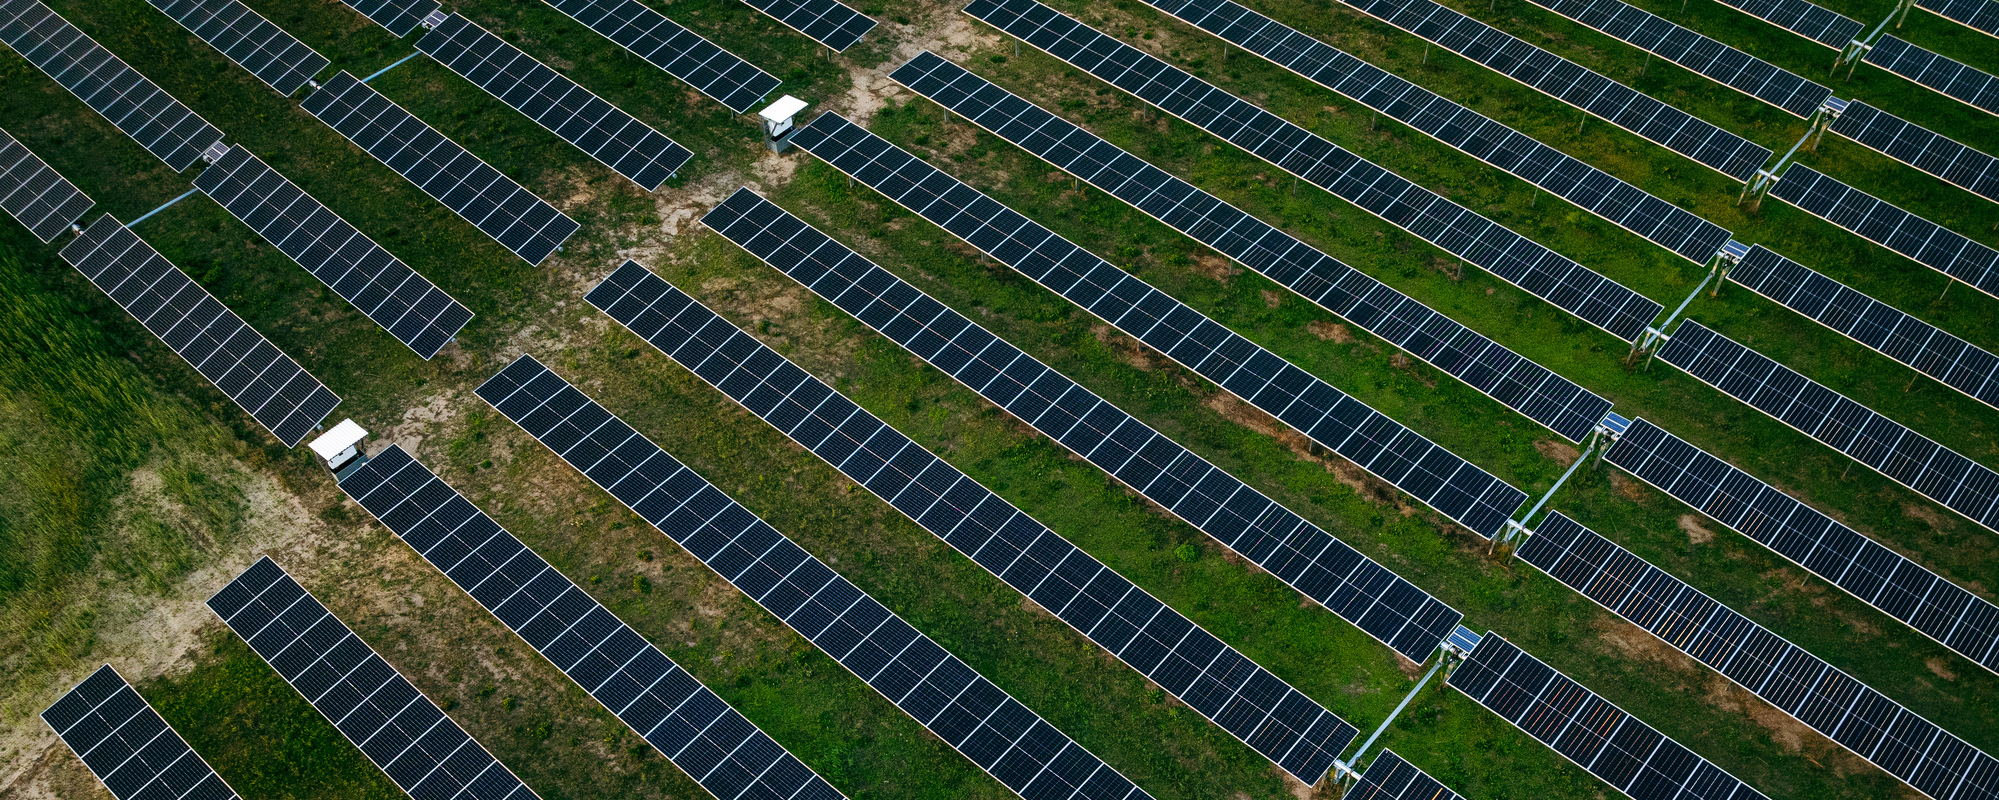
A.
pixel 712 71
pixel 1915 146
pixel 1706 57
pixel 1371 440
pixel 1301 554
pixel 33 193
pixel 1936 73
pixel 1873 219
pixel 828 22
pixel 126 744
pixel 402 733
pixel 1185 660
pixel 277 58
pixel 1430 216
pixel 978 719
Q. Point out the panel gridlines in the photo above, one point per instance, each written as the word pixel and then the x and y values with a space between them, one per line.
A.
pixel 1889 447
pixel 405 304
pixel 995 731
pixel 1873 219
pixel 828 22
pixel 277 58
pixel 709 741
pixel 616 139
pixel 471 188
pixel 1918 344
pixel 1562 175
pixel 33 193
pixel 1457 230
pixel 1520 384
pixel 1389 777
pixel 1918 147
pixel 1803 685
pixel 273 389
pixel 1875 574
pixel 1301 554
pixel 135 105
pixel 1186 661
pixel 1585 728
pixel 1574 84
pixel 399 16
pixel 1936 73
pixel 1804 18
pixel 1978 15
pixel 1368 438
pixel 126 744
pixel 1710 59
pixel 715 72
pixel 400 731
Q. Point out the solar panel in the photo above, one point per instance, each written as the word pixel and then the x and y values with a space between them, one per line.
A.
pixel 709 741
pixel 1208 675
pixel 1978 15
pixel 277 58
pixel 1911 144
pixel 1301 554
pixel 1368 438
pixel 402 732
pixel 1907 457
pixel 1571 83
pixel 1803 18
pixel 1005 738
pixel 1457 230
pixel 1818 694
pixel 1586 729
pixel 617 139
pixel 1918 344
pixel 405 304
pixel 135 105
pixel 1391 778
pixel 827 22
pixel 1711 59
pixel 266 383
pixel 1522 385
pixel 711 70
pixel 1921 240
pixel 399 16
pixel 1877 575
pixel 492 202
pixel 126 744
pixel 32 192
pixel 1480 137
pixel 1936 73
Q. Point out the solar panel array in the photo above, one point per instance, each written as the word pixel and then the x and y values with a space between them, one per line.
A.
pixel 1571 83
pixel 1487 140
pixel 1911 459
pixel 1368 438
pixel 1713 60
pixel 1585 728
pixel 1803 18
pixel 1877 575
pixel 402 732
pixel 1911 144
pixel 405 304
pixel 35 194
pixel 1391 778
pixel 709 741
pixel 1818 694
pixel 1296 551
pixel 1208 675
pixel 135 105
pixel 1934 72
pixel 711 70
pixel 277 58
pixel 266 383
pixel 1918 344
pixel 1529 388
pixel 1876 221
pixel 613 137
pixel 1005 738
pixel 492 202
pixel 1457 230
pixel 827 21
pixel 399 16
pixel 1979 15
pixel 126 744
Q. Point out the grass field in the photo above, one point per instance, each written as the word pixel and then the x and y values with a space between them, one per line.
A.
pixel 144 489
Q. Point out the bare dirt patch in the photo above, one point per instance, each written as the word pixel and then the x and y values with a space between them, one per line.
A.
pixel 1272 299
pixel 1629 488
pixel 1941 666
pixel 1636 644
pixel 1367 486
pixel 1696 532
pixel 1330 331
pixel 1918 511
pixel 1558 452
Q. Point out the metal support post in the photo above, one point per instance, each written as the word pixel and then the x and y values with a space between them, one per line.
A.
pixel 1522 525
pixel 163 207
pixel 399 62
pixel 1347 765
